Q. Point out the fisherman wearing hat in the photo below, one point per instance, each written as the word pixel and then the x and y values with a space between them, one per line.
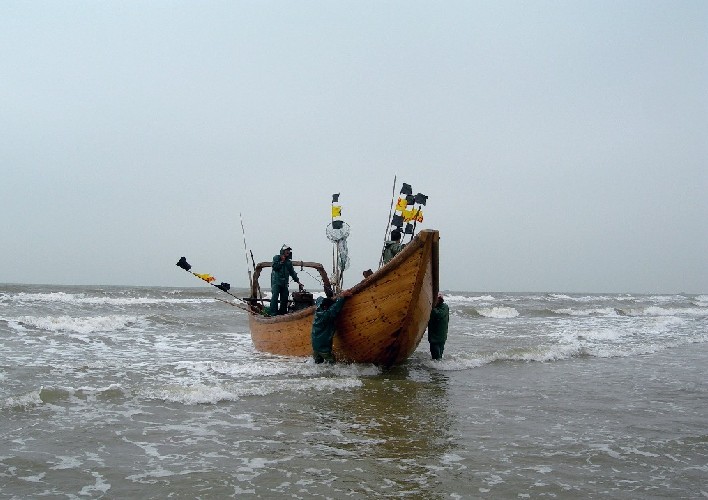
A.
pixel 279 276
pixel 437 327
pixel 323 326
pixel 392 246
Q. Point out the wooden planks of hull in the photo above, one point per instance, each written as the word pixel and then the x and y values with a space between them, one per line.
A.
pixel 382 322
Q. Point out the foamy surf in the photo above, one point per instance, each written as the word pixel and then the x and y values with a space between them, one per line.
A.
pixel 167 395
pixel 70 298
pixel 208 394
pixel 82 325
pixel 498 312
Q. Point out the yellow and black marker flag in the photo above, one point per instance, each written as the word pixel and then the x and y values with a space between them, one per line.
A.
pixel 337 223
pixel 408 209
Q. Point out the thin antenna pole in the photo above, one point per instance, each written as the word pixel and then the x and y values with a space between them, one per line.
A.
pixel 245 249
pixel 388 224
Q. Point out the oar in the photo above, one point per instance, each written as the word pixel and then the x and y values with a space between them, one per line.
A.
pixel 224 287
pixel 233 304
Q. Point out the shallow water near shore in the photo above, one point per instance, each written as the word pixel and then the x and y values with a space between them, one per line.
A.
pixel 122 392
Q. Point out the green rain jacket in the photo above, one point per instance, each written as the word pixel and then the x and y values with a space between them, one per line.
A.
pixel 323 325
pixel 281 271
pixel 437 325
pixel 391 248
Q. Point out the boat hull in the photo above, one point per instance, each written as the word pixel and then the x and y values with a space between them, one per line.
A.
pixel 382 322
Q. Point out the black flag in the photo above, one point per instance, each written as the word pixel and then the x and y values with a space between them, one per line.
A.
pixel 335 198
pixel 406 189
pixel 421 198
pixel 184 264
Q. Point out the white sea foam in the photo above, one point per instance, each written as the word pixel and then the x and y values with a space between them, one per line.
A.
pixel 636 451
pixel 100 485
pixel 628 337
pixel 675 311
pixel 21 401
pixel 598 334
pixel 634 311
pixel 94 391
pixel 174 368
pixel 498 312
pixel 67 462
pixel 606 448
pixel 605 311
pixel 590 298
pixel 664 311
pixel 203 394
pixel 467 299
pixel 302 367
pixel 49 395
pixel 82 298
pixel 666 298
pixel 455 362
pixel 83 325
pixel 465 361
pixel 541 354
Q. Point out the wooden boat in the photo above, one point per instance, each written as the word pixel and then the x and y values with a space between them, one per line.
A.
pixel 382 322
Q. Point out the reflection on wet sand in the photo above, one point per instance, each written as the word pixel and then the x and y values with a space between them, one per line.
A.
pixel 391 434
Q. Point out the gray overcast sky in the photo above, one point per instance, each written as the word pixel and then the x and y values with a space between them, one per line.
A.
pixel 562 145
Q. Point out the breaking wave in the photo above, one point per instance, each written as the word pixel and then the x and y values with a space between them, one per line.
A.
pixel 701 301
pixel 82 298
pixel 634 311
pixel 57 395
pixel 207 394
pixel 498 312
pixel 84 325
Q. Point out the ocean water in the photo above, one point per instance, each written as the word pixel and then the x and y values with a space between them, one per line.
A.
pixel 122 392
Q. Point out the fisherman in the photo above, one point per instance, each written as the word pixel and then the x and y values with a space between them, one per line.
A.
pixel 437 327
pixel 392 246
pixel 323 326
pixel 282 270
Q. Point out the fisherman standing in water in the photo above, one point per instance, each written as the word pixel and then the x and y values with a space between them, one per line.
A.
pixel 437 327
pixel 279 276
pixel 323 327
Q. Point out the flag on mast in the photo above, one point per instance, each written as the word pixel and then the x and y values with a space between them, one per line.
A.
pixel 408 210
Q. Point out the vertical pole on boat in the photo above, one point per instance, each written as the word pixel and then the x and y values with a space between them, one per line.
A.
pixel 388 224
pixel 335 275
pixel 245 249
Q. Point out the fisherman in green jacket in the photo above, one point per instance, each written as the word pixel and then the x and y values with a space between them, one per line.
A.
pixel 279 276
pixel 437 327
pixel 323 327
pixel 392 246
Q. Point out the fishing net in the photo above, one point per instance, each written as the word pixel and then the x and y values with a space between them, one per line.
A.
pixel 337 232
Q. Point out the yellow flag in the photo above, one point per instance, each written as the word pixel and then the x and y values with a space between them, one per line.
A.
pixel 336 211
pixel 206 277
pixel 401 204
pixel 410 215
